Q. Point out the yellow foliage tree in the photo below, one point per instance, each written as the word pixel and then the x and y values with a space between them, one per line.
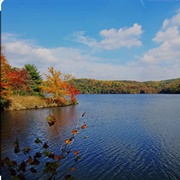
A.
pixel 57 85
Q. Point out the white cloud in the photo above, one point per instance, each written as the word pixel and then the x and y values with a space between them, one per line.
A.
pixel 45 54
pixel 81 64
pixel 79 37
pixel 168 35
pixel 174 21
pixel 1 1
pixel 18 47
pixel 168 52
pixel 113 38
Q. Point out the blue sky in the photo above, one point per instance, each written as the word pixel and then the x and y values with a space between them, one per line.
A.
pixel 99 39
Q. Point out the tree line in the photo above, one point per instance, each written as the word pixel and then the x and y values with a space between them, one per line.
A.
pixel 64 88
pixel 92 86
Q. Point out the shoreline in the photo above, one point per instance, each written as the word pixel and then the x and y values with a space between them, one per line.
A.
pixel 31 102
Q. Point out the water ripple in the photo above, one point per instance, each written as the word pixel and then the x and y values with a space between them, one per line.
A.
pixel 130 137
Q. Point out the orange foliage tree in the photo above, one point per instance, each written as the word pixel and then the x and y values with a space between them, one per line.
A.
pixel 57 85
pixel 5 80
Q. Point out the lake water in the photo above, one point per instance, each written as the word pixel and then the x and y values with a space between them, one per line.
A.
pixel 127 136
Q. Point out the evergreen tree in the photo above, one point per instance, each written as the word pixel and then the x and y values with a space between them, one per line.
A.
pixel 36 77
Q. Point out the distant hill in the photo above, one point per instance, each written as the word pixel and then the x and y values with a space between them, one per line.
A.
pixel 92 86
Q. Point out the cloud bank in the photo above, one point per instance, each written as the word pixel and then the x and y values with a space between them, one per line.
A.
pixel 161 62
pixel 168 52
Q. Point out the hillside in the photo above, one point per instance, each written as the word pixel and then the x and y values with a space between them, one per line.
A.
pixel 92 86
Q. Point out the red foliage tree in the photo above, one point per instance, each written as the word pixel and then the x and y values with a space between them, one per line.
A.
pixel 73 92
pixel 20 80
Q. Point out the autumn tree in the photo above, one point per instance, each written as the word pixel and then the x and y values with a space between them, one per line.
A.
pixel 20 80
pixel 5 80
pixel 57 85
pixel 92 86
pixel 73 92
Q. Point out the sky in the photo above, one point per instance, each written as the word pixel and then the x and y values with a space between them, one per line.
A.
pixel 99 39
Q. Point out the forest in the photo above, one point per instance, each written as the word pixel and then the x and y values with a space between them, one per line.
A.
pixel 92 86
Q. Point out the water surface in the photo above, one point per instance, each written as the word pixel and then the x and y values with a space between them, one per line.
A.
pixel 129 136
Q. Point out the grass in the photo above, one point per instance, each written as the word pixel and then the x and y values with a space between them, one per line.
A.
pixel 30 102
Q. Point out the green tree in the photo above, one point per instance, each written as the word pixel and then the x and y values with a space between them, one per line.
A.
pixel 36 77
